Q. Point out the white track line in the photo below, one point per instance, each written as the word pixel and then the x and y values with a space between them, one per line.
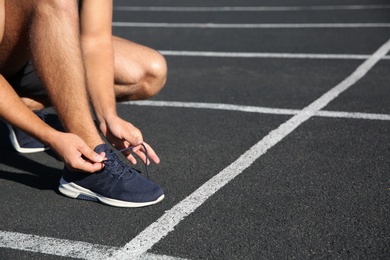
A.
pixel 254 109
pixel 218 106
pixel 166 223
pixel 252 26
pixel 266 55
pixel 64 247
pixel 248 8
pixel 354 115
pixel 54 246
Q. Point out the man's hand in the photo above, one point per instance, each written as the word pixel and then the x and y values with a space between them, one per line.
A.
pixel 122 134
pixel 76 154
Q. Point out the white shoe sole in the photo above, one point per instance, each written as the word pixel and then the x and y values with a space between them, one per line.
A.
pixel 15 143
pixel 75 191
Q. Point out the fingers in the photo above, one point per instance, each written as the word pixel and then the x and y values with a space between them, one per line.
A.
pixel 131 158
pixel 88 160
pixel 75 153
pixel 87 166
pixel 141 153
pixel 123 134
pixel 91 155
pixel 134 136
pixel 152 154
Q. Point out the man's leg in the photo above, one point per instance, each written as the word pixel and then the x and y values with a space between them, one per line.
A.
pixel 140 72
pixel 56 53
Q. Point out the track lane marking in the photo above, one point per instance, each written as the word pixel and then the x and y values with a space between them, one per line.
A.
pixel 54 246
pixel 64 247
pixel 267 55
pixel 251 25
pixel 260 110
pixel 167 222
pixel 248 8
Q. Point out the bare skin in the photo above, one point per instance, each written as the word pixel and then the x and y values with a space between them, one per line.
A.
pixel 11 49
pixel 98 52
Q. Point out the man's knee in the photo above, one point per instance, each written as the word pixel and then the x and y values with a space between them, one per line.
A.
pixel 156 75
pixel 140 72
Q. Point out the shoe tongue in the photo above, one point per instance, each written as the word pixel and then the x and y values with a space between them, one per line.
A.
pixel 102 148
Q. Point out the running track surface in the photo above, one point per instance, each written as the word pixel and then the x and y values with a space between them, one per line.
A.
pixel 274 135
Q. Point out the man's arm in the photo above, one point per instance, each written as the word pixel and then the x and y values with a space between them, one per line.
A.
pixel 98 53
pixel 68 146
pixel 96 42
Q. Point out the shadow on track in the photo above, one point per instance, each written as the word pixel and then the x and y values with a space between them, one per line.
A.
pixel 27 171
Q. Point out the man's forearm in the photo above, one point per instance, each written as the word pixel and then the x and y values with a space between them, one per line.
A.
pixel 98 54
pixel 99 62
pixel 22 117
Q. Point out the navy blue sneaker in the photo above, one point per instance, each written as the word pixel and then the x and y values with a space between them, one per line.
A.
pixel 24 143
pixel 116 184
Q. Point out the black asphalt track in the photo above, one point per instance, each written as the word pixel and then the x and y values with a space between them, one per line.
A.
pixel 322 192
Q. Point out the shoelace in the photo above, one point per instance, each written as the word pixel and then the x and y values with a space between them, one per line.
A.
pixel 124 166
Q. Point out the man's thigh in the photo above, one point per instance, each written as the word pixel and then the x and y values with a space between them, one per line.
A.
pixel 26 82
pixel 14 48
